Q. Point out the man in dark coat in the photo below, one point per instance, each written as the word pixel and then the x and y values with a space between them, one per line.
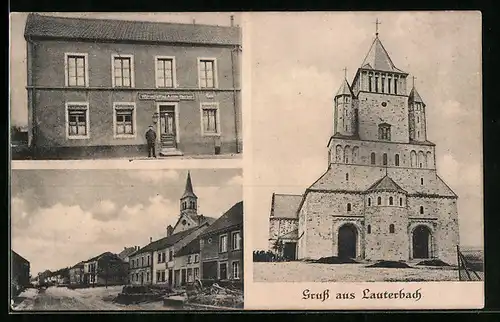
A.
pixel 151 139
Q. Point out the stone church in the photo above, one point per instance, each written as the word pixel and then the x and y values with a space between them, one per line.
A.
pixel 380 197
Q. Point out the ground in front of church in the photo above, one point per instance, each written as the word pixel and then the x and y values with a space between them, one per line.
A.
pixel 282 272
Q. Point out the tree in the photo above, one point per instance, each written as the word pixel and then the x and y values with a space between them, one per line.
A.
pixel 278 247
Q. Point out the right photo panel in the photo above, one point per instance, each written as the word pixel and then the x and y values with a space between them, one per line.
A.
pixel 364 175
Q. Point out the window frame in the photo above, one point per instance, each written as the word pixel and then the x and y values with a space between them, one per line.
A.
pixel 218 269
pixel 132 70
pixel 66 69
pixel 239 270
pixel 174 74
pixel 215 72
pixel 87 122
pixel 133 107
pixel 210 106
pixel 235 233
pixel 220 243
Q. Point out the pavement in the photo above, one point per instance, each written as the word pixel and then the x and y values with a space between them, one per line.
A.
pixel 85 299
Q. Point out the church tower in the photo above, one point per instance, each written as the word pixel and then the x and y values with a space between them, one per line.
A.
pixel 417 121
pixel 345 115
pixel 189 201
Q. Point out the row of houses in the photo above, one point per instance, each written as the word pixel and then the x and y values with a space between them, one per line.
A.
pixel 196 247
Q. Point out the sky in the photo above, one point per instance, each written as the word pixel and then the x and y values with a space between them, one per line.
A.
pixel 61 217
pixel 18 94
pixel 296 65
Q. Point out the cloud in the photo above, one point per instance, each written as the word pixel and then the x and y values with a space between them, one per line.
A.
pixel 104 210
pixel 235 181
pixel 19 215
pixel 155 176
pixel 452 109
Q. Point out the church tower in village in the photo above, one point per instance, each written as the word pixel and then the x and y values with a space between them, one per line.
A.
pixel 188 217
pixel 381 197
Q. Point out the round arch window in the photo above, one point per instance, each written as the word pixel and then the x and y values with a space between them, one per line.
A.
pixel 384 104
pixel 184 221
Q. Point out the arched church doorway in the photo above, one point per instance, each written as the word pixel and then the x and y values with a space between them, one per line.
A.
pixel 348 236
pixel 421 242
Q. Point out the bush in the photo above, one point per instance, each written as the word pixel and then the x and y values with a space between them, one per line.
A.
pixel 433 262
pixel 266 256
pixel 390 264
pixel 335 260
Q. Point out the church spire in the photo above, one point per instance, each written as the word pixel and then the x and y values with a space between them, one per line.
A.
pixel 188 191
pixel 414 96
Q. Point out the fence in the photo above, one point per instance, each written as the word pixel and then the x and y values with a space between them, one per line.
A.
pixel 470 264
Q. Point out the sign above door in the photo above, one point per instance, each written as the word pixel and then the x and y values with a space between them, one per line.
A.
pixel 166 97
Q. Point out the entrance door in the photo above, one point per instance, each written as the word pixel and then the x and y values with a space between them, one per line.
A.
pixel 223 271
pixel 289 251
pixel 421 238
pixel 347 241
pixel 177 277
pixel 183 277
pixel 167 126
pixel 209 270
pixel 170 277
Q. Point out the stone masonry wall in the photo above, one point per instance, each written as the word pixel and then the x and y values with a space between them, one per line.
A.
pixel 279 227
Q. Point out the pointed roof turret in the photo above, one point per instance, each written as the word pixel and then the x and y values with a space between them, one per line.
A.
pixel 344 89
pixel 378 59
pixel 415 97
pixel 386 184
pixel 188 192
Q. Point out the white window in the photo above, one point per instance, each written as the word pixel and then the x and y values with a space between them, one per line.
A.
pixel 189 259
pixel 196 272
pixel 207 72
pixel 210 119
pixel 236 240
pixel 124 120
pixel 76 69
pixel 223 244
pixel 77 120
pixel 123 70
pixel 196 259
pixel 235 268
pixel 165 71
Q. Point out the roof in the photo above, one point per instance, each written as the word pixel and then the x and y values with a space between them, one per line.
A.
pixel 333 180
pixel 99 256
pixel 167 241
pixel 378 58
pixel 344 89
pixel 385 184
pixel 78 265
pixel 192 247
pixel 126 252
pixel 19 256
pixel 294 234
pixel 188 191
pixel 43 26
pixel 415 96
pixel 285 206
pixel 232 217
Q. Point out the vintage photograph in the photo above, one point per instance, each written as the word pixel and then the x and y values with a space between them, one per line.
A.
pixel 125 85
pixel 114 239
pixel 374 171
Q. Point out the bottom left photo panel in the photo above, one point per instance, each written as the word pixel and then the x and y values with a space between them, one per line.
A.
pixel 107 240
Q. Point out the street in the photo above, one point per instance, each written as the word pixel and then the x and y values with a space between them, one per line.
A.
pixel 93 299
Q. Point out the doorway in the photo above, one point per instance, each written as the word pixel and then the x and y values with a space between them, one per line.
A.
pixel 421 242
pixel 223 271
pixel 348 236
pixel 168 131
pixel 289 251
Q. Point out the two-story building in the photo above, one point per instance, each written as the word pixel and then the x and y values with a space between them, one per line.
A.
pixel 221 247
pixel 105 269
pixel 76 274
pixel 95 86
pixel 187 263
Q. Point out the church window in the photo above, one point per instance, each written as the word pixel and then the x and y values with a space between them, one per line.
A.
pixel 369 229
pixel 384 131
pixel 421 210
pixel 383 83
pixel 347 177
pixel 384 159
pixel 401 202
pixel 372 158
pixel 391 228
pixel 396 160
pixel 422 181
pixel 348 207
pixel 370 82
pixel 369 201
pixel 413 158
pixel 391 201
pixel 347 152
pixel 379 201
pixel 355 152
pixel 376 83
pixel 395 85
pixel 338 152
pixel 418 119
pixel 418 134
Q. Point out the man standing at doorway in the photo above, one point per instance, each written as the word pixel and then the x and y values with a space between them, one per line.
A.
pixel 151 139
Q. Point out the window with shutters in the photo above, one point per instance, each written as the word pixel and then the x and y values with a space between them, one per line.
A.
pixel 77 120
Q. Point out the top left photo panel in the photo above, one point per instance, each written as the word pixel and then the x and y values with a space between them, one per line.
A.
pixel 133 86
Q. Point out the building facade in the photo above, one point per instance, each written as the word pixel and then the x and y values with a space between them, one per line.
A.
pixel 221 247
pixel 381 197
pixel 19 273
pixel 76 274
pixel 95 86
pixel 105 269
pixel 187 263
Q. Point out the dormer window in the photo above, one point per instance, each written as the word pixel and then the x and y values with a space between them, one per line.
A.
pixel 384 132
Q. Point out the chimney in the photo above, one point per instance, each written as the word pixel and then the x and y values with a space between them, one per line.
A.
pixel 232 21
pixel 201 218
pixel 170 230
pixel 124 248
pixel 150 239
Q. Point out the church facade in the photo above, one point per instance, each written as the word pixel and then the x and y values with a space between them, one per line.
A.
pixel 380 197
